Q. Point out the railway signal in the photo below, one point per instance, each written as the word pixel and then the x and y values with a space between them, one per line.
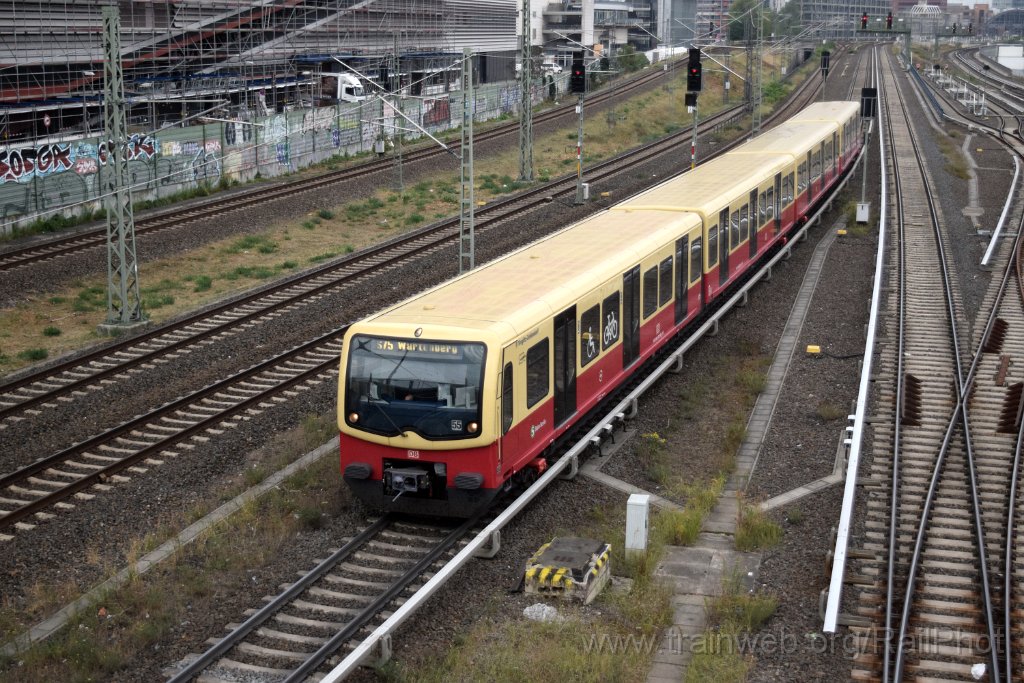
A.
pixel 693 73
pixel 578 77
pixel 864 21
pixel 888 21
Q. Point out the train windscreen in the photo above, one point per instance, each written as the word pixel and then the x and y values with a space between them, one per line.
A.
pixel 432 388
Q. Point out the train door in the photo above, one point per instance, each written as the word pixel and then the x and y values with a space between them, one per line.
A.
pixel 682 257
pixel 777 203
pixel 630 316
pixel 565 365
pixel 755 222
pixel 810 178
pixel 835 153
pixel 507 444
pixel 723 246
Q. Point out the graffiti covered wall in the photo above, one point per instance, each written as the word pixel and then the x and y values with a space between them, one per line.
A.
pixel 68 177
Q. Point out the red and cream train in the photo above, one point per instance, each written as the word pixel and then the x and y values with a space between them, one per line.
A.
pixel 450 395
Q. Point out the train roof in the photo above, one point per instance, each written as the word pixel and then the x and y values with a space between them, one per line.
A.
pixel 795 138
pixel 837 111
pixel 509 296
pixel 716 184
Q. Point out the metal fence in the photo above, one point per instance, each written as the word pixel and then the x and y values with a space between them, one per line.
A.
pixel 66 176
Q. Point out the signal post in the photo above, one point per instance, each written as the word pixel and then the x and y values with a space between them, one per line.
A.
pixel 578 84
pixel 693 85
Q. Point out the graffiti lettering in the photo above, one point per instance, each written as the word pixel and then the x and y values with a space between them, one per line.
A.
pixel 205 166
pixel 20 165
pixel 138 147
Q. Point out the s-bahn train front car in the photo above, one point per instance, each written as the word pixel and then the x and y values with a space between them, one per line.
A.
pixel 417 434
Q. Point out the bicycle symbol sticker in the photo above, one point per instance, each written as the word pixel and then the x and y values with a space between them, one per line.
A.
pixel 611 329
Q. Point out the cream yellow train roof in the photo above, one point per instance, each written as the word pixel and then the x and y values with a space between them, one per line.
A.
pixel 712 186
pixel 510 296
pixel 796 138
pixel 837 112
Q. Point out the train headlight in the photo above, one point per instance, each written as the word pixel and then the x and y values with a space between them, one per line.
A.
pixel 353 417
pixel 472 427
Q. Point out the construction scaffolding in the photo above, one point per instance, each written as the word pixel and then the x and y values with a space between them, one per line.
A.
pixel 184 58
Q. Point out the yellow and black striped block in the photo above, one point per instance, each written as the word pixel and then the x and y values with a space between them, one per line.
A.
pixel 576 568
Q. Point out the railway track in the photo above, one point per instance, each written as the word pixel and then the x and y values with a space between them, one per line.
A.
pixel 935 520
pixel 76 375
pixel 92 239
pixel 328 608
pixel 57 482
pixel 289 651
pixel 39 491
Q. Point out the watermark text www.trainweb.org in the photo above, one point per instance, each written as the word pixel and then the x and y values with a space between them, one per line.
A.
pixel 932 640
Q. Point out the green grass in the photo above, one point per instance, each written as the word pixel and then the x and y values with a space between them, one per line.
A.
pixel 249 243
pixel 202 283
pixel 754 530
pixel 681 527
pixel 90 299
pixel 795 516
pixel 717 656
pixel 154 301
pixel 251 272
pixel 499 184
pixel 829 411
pixel 33 354
pixel 51 331
pixel 653 456
pixel 323 257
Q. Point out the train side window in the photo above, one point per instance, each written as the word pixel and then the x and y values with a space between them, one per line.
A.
pixel 537 371
pixel 792 186
pixel 762 207
pixel 816 165
pixel 610 318
pixel 801 177
pixel 506 398
pixel 734 229
pixel 696 267
pixel 769 204
pixel 744 224
pixel 665 285
pixel 590 335
pixel 650 291
pixel 713 246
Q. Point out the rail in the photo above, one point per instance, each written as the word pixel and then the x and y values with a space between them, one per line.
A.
pixel 835 588
pixel 381 636
pixel 1002 217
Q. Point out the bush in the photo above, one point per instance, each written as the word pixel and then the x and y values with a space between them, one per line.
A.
pixel 51 331
pixel 33 354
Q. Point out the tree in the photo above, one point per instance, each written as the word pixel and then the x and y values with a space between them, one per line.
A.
pixel 743 18
pixel 631 60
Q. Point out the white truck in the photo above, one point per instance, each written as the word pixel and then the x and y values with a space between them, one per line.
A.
pixel 343 87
